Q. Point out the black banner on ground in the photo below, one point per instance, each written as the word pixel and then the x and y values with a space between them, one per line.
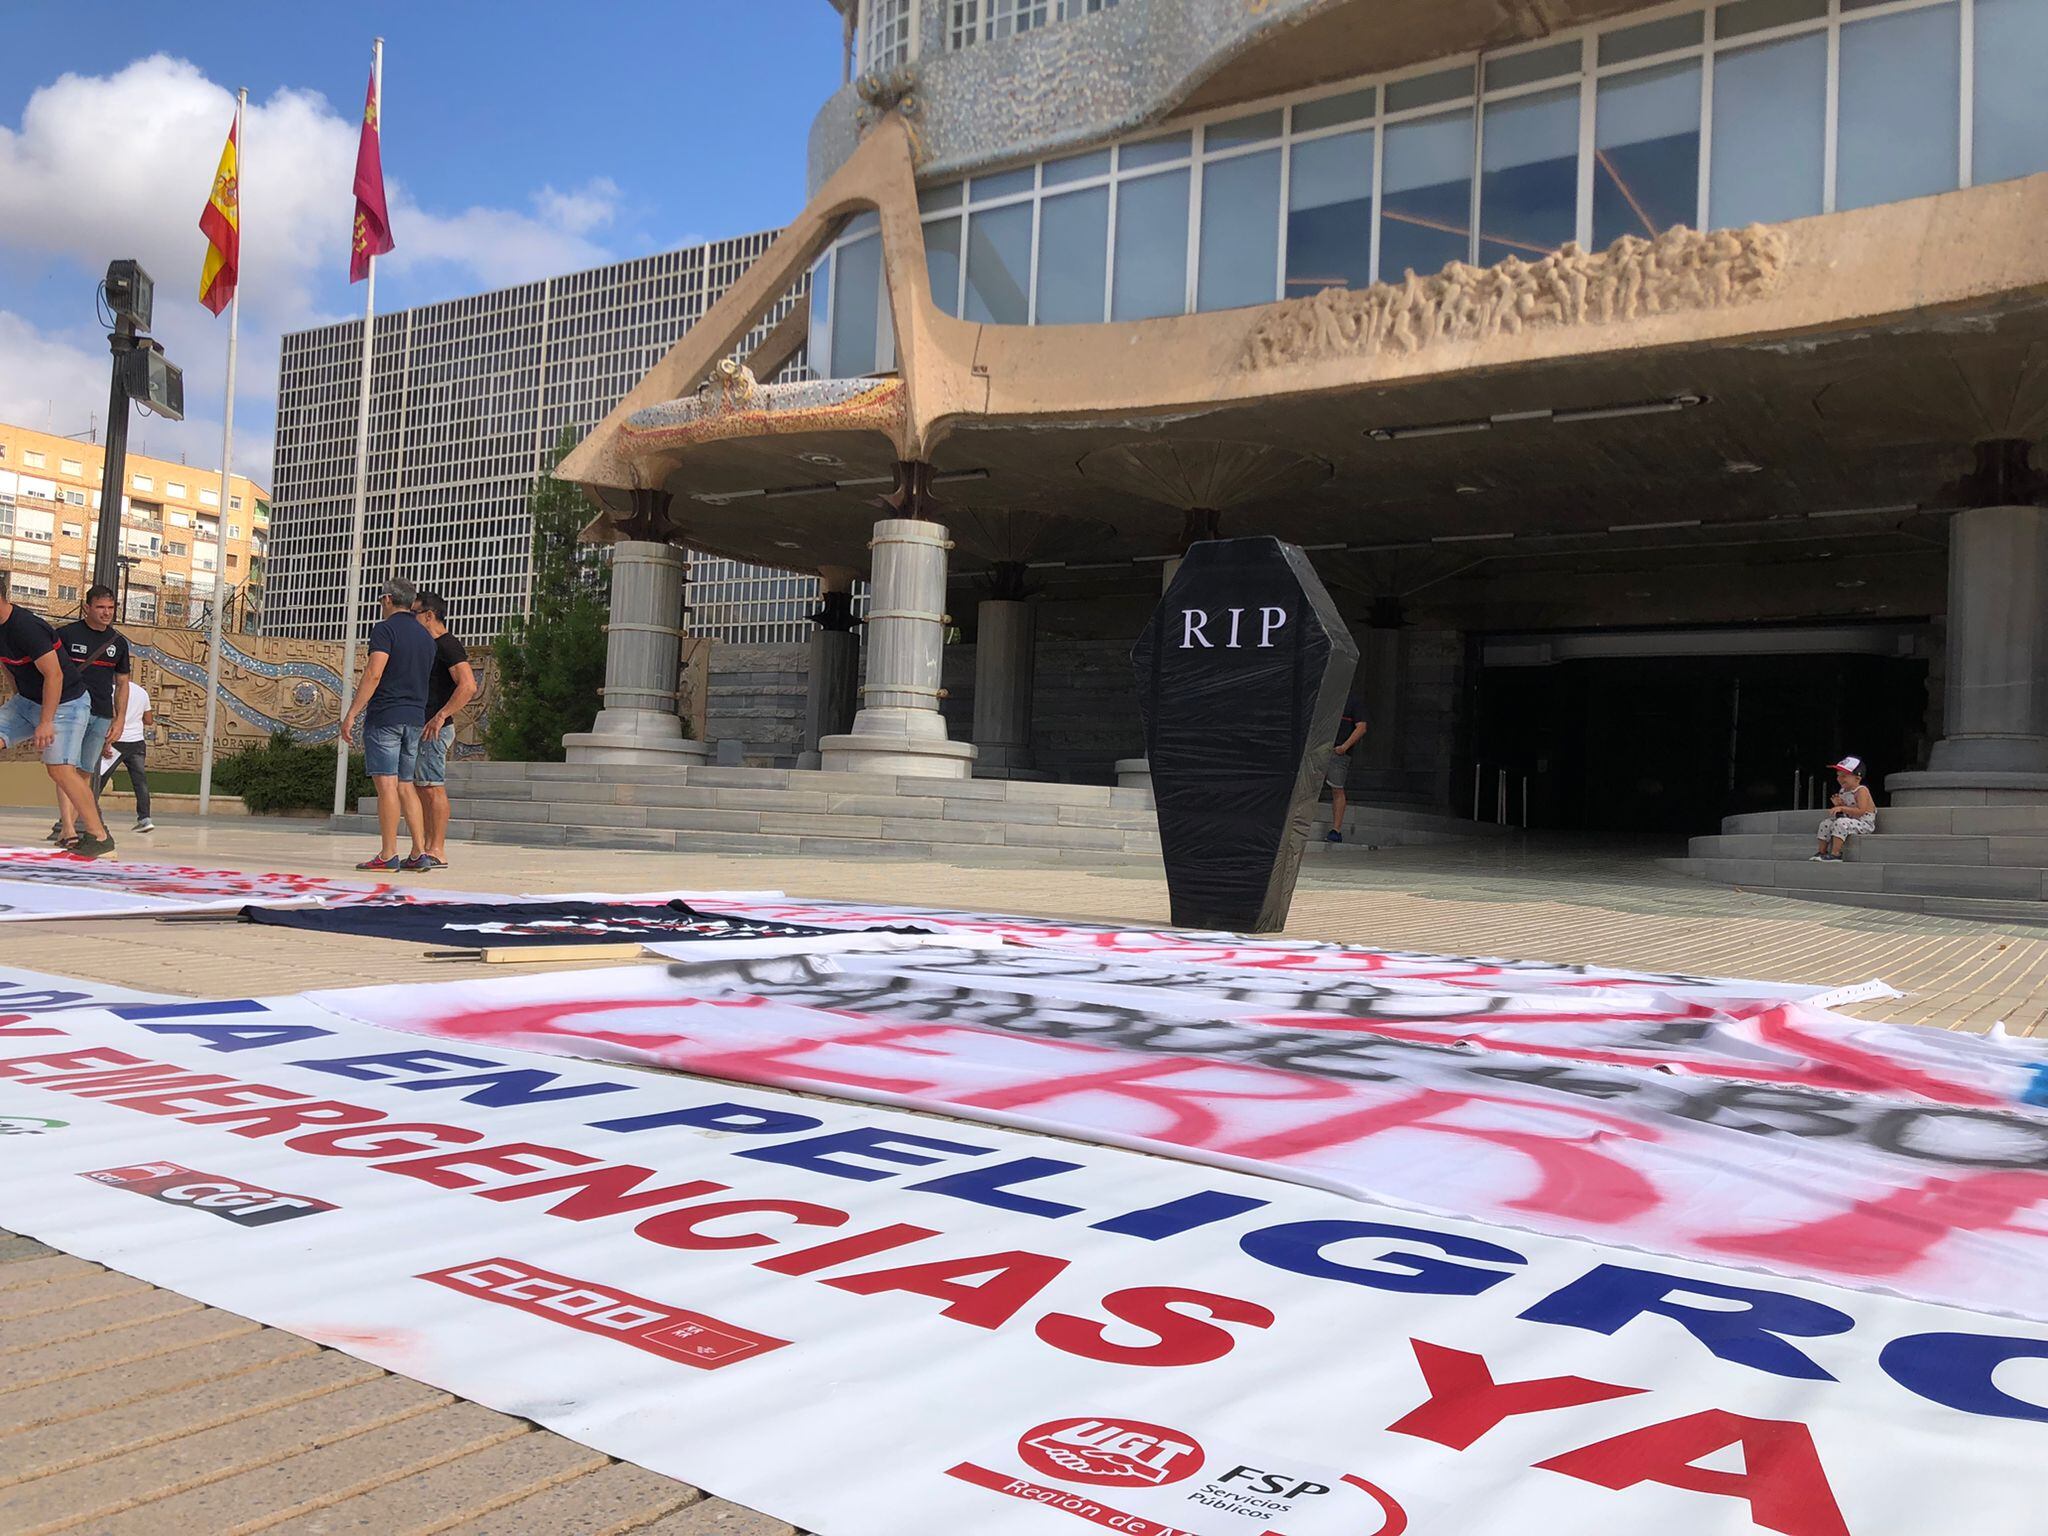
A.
pixel 1242 675
pixel 512 924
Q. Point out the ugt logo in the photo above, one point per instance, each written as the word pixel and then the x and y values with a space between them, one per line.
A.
pixel 1112 1451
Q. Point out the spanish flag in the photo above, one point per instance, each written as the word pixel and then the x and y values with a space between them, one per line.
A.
pixel 221 223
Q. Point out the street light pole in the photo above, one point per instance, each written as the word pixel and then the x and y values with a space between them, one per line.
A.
pixel 114 473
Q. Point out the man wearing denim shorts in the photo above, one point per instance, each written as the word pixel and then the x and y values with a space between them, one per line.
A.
pixel 452 686
pixel 49 710
pixel 99 652
pixel 392 704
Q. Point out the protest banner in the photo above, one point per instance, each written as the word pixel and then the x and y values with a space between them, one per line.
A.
pixel 871 1324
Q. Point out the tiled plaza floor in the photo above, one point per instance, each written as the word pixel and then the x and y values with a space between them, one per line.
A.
pixel 128 1409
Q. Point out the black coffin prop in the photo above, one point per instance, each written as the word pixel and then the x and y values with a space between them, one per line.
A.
pixel 1242 676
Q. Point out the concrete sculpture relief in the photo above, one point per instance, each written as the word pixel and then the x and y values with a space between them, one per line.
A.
pixel 1679 270
pixel 734 406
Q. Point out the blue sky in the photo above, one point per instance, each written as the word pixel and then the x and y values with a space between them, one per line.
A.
pixel 522 139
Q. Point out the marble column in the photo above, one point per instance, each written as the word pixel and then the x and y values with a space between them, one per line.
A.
pixel 899 729
pixel 1006 632
pixel 834 687
pixel 1994 746
pixel 640 722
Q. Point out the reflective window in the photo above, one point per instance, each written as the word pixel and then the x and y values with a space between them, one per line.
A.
pixel 1151 247
pixel 1076 168
pixel 1901 93
pixel 1329 214
pixel 1003 184
pixel 1073 256
pixel 2010 131
pixel 1770 129
pixel 1514 69
pixel 1240 250
pixel 942 261
pixel 1255 129
pixel 1652 38
pixel 856 307
pixel 1646 152
pixel 1329 111
pixel 999 265
pixel 1132 157
pixel 1426 203
pixel 1529 189
pixel 1428 90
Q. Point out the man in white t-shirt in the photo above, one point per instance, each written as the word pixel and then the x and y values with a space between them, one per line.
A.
pixel 130 745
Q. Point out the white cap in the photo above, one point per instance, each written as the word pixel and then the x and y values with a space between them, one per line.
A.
pixel 1848 765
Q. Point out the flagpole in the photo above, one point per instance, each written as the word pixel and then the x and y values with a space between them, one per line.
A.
pixel 352 594
pixel 227 462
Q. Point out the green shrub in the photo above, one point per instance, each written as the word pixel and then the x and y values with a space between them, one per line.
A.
pixel 282 775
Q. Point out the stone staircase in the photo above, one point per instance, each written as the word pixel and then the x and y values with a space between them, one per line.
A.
pixel 808 813
pixel 1967 860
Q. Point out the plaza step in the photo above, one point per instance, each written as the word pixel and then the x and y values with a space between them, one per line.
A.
pixel 1980 861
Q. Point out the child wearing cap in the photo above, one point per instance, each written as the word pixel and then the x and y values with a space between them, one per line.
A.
pixel 1851 810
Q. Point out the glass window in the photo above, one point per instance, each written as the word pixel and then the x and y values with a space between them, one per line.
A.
pixel 1076 168
pixel 2010 137
pixel 1240 253
pixel 1646 152
pixel 821 317
pixel 1427 90
pixel 71 466
pixel 933 199
pixel 1744 16
pixel 1527 68
pixel 1653 37
pixel 1329 214
pixel 942 262
pixel 1153 152
pixel 1901 89
pixel 999 265
pixel 1002 184
pixel 1770 106
pixel 1350 107
pixel 858 303
pixel 1073 257
pixel 1426 199
pixel 1151 247
pixel 1529 186
pixel 1256 129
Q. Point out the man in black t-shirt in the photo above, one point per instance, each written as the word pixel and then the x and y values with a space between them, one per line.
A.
pixel 100 653
pixel 391 701
pixel 1350 731
pixel 48 710
pixel 451 685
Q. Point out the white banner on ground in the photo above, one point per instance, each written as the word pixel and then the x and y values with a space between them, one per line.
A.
pixel 1923 1198
pixel 871 1324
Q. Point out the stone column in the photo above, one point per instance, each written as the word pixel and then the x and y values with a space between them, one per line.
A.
pixel 1006 628
pixel 899 729
pixel 1994 746
pixel 639 722
pixel 834 691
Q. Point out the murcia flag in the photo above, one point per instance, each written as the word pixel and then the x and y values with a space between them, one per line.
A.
pixel 221 223
pixel 372 235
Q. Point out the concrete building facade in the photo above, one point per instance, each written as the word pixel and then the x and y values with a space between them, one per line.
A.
pixel 177 543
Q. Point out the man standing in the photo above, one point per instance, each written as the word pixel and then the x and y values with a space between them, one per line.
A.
pixel 1350 732
pixel 394 693
pixel 99 652
pixel 131 746
pixel 48 710
pixel 452 686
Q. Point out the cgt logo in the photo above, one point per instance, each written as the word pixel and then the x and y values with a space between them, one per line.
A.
pixel 1110 1451
pixel 246 1205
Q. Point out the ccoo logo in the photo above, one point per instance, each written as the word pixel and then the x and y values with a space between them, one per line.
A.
pixel 1111 1451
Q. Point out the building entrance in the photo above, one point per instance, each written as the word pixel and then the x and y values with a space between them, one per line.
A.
pixel 1669 732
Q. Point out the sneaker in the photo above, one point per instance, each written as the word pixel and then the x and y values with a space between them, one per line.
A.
pixel 144 824
pixel 1818 858
pixel 412 862
pixel 381 864
pixel 88 847
pixel 428 864
pixel 1333 836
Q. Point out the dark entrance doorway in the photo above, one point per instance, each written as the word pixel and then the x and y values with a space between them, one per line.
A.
pixel 1671 743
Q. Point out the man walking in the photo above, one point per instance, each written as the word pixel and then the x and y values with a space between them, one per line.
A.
pixel 131 746
pixel 392 703
pixel 452 686
pixel 48 710
pixel 1350 732
pixel 99 652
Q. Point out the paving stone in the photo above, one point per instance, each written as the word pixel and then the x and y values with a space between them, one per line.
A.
pixel 28 1407
pixel 935 829
pixel 114 1314
pixel 187 1327
pixel 823 824
pixel 469 1487
pixel 1063 837
pixel 585 815
pixel 61 1292
pixel 704 820
pixel 38 1266
pixel 14 1250
pixel 715 1517
pixel 612 1501
pixel 755 799
pixel 1002 810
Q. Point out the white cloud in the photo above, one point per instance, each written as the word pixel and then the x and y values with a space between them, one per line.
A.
pixel 120 165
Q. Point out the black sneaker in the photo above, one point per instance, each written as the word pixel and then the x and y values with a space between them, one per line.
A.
pixel 144 824
pixel 90 847
pixel 56 832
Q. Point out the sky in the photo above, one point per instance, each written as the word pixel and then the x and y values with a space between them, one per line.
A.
pixel 522 139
